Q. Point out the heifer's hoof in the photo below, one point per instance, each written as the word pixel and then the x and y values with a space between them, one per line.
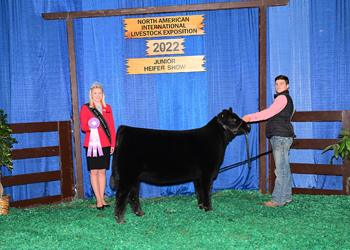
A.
pixel 208 209
pixel 140 213
pixel 120 220
pixel 201 206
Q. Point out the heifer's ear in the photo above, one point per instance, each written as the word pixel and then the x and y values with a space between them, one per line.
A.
pixel 230 109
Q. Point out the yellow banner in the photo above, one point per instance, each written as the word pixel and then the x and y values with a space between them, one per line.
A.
pixel 164 26
pixel 165 65
pixel 165 47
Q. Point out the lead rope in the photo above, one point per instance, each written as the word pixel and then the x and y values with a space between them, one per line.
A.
pixel 246 138
pixel 244 162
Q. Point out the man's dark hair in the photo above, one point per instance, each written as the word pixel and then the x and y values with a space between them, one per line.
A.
pixel 282 77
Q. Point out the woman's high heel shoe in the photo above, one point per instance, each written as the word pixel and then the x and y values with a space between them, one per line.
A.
pixel 100 208
pixel 106 205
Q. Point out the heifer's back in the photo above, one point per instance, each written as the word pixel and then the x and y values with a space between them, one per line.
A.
pixel 163 156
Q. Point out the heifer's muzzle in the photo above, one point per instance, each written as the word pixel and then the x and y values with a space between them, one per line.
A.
pixel 235 131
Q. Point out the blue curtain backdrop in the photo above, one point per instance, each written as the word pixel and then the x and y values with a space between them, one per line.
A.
pixel 307 40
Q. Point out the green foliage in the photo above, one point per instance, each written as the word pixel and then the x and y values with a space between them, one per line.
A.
pixel 342 147
pixel 6 142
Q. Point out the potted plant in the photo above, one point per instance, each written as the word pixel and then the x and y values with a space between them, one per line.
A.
pixel 6 143
pixel 342 147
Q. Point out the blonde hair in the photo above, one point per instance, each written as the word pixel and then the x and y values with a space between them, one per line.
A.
pixel 94 86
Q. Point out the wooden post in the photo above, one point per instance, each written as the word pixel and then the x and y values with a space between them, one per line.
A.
pixel 346 163
pixel 66 160
pixel 262 98
pixel 75 108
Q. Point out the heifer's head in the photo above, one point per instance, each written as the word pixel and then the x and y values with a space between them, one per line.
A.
pixel 231 122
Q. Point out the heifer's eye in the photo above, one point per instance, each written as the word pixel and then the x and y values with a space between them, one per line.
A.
pixel 233 120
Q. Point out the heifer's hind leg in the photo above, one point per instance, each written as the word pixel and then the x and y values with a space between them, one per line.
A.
pixel 121 199
pixel 199 191
pixel 134 200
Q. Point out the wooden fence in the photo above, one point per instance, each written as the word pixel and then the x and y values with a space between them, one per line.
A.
pixel 66 173
pixel 319 169
pixel 64 150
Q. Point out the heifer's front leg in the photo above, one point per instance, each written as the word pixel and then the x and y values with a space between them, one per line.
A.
pixel 207 184
pixel 134 200
pixel 199 191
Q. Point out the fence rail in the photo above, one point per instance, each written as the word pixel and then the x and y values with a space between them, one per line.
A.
pixel 64 150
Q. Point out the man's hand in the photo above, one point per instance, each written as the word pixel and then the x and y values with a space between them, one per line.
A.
pixel 245 118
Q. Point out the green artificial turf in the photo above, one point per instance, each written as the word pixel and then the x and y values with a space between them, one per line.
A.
pixel 238 221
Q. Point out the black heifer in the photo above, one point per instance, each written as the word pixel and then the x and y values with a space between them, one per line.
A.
pixel 166 157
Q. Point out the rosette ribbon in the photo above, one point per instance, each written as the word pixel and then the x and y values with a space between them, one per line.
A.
pixel 94 142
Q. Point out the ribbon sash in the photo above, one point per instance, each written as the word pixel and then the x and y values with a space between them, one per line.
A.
pixel 94 142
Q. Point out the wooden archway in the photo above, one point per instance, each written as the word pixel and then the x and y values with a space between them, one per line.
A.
pixel 69 16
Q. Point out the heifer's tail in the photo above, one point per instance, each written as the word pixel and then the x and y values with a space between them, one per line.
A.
pixel 113 181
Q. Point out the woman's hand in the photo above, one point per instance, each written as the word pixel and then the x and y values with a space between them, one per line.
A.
pixel 112 150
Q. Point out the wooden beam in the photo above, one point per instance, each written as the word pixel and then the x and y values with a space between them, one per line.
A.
pixel 24 179
pixel 66 159
pixel 317 116
pixel 313 143
pixel 315 191
pixel 346 162
pixel 33 127
pixel 323 169
pixel 164 9
pixel 262 99
pixel 75 108
pixel 32 203
pixel 26 153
